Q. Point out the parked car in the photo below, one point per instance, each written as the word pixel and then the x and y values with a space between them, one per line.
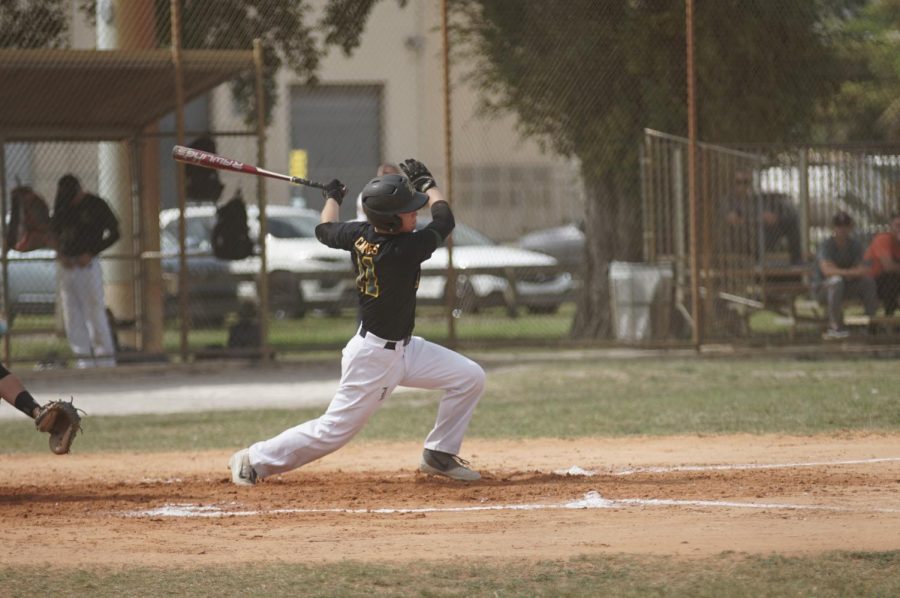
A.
pixel 303 273
pixel 212 291
pixel 540 287
pixel 565 243
pixel 212 295
pixel 32 283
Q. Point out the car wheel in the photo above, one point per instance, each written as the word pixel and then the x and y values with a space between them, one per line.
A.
pixel 285 296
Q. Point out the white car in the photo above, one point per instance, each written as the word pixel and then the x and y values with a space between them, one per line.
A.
pixel 540 286
pixel 303 273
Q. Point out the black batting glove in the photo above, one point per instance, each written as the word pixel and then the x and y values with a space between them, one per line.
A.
pixel 336 190
pixel 418 175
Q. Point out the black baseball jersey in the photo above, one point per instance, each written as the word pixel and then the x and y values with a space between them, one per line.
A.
pixel 387 268
pixel 89 226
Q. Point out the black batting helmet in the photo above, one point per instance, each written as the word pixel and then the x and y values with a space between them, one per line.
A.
pixel 386 196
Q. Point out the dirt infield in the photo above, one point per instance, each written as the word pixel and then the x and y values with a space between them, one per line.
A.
pixel 685 496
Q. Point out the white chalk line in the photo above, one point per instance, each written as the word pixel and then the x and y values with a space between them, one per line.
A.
pixel 591 500
pixel 743 466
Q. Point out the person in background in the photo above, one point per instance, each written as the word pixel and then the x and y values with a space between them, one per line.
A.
pixel 840 272
pixel 883 254
pixel 758 222
pixel 84 226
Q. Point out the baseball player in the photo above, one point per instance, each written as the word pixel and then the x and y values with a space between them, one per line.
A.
pixel 387 253
pixel 84 226
pixel 59 418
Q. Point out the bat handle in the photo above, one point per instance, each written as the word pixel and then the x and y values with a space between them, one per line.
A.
pixel 307 183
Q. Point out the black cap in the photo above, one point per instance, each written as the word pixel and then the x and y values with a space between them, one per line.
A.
pixel 842 219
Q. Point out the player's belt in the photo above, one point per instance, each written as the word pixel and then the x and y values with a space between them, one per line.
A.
pixel 387 344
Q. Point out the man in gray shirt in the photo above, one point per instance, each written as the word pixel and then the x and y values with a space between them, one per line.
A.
pixel 840 272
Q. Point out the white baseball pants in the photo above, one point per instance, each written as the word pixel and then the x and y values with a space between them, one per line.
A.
pixel 84 311
pixel 369 374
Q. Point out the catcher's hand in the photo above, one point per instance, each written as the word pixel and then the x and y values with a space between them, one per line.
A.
pixel 62 421
pixel 418 174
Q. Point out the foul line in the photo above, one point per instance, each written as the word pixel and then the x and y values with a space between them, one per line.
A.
pixel 591 500
pixel 741 466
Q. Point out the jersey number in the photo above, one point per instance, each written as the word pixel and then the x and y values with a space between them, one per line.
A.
pixel 366 281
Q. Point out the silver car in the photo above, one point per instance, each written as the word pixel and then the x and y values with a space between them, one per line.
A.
pixel 212 296
pixel 32 283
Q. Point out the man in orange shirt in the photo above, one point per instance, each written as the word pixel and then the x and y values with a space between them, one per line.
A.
pixel 884 255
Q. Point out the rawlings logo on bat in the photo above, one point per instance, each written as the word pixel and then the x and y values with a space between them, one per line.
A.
pixel 201 156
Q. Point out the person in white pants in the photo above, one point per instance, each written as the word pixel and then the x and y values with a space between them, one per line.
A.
pixel 387 253
pixel 84 312
pixel 84 225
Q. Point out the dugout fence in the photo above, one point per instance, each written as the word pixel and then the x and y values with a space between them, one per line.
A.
pixel 532 118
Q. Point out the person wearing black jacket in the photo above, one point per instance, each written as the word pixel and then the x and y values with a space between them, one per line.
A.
pixel 758 222
pixel 386 252
pixel 84 225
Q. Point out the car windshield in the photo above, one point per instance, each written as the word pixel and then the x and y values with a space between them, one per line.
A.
pixel 463 236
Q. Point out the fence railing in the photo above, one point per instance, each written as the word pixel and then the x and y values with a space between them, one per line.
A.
pixel 762 211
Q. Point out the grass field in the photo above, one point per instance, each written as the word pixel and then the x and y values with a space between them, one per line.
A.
pixel 833 574
pixel 569 400
pixel 318 330
pixel 649 397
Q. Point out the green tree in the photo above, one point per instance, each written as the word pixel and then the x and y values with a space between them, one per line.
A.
pixel 283 26
pixel 288 40
pixel 584 77
pixel 18 19
pixel 867 107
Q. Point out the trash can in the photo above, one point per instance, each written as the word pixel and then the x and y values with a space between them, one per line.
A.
pixel 640 295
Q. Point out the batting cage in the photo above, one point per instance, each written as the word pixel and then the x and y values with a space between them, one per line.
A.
pixel 607 184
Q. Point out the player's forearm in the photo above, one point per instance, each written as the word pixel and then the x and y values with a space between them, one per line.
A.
pixel 830 269
pixel 10 387
pixel 442 219
pixel 330 211
pixel 434 195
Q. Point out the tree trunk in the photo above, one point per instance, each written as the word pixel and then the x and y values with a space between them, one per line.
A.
pixel 612 232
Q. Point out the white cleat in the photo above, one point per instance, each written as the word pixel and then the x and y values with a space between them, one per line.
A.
pixel 242 473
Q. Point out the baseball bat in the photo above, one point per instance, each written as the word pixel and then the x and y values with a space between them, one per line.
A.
pixel 189 155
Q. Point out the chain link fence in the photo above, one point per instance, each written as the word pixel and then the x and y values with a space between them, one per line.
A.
pixel 561 141
pixel 764 212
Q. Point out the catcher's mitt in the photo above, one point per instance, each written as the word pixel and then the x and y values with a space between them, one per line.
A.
pixel 62 421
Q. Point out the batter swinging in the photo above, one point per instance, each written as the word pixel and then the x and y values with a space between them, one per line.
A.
pixel 387 253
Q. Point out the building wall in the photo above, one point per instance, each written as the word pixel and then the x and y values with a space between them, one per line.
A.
pixel 504 185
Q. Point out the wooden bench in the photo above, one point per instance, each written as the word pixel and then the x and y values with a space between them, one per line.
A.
pixel 886 323
pixel 773 288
